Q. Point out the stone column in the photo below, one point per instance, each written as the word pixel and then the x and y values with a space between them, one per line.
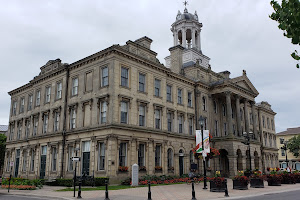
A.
pixel 232 165
pixel 244 162
pixel 183 31
pixel 238 115
pixel 199 42
pixel 246 116
pixel 229 113
pixel 193 39
pixel 254 120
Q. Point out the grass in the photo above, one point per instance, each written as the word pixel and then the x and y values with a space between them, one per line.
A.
pixel 112 187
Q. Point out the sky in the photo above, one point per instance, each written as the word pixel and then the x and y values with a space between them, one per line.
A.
pixel 236 35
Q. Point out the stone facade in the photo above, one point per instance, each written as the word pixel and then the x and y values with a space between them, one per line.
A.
pixel 121 106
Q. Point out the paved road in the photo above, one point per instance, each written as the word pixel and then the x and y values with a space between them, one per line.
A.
pixel 293 195
pixel 20 197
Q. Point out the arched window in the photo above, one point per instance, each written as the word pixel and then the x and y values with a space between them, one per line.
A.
pixel 170 159
pixel 192 158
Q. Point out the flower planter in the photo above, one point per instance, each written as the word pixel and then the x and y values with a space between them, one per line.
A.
pixel 288 179
pixel 216 187
pixel 238 185
pixel 256 183
pixel 274 183
pixel 248 174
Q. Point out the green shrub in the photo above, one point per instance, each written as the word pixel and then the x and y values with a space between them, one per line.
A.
pixel 99 181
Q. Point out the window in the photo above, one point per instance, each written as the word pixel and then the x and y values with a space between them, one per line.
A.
pixel 180 123
pixel 142 81
pixel 157 118
pixel 19 131
pixel 232 113
pixel 27 129
pixel 30 100
pixel 35 125
pixel 141 115
pixel 157 88
pixel 11 134
pixel 54 158
pixel 124 77
pixel 8 163
pixel 123 154
pixel 268 122
pixel 215 107
pixel 101 156
pixel 281 140
pixel 32 160
pixel 58 90
pixel 179 97
pixel 157 155
pixel 22 103
pixel 74 86
pixel 192 158
pixel 56 121
pixel 38 98
pixel 141 155
pixel 216 128
pixel 282 152
pixel 73 119
pixel 169 93
pixel 225 128
pixel 48 94
pixel 45 123
pixel 124 112
pixel 104 74
pixel 204 103
pixel 89 81
pixel 191 126
pixel 70 158
pixel 14 110
pixel 233 128
pixel 224 110
pixel 170 159
pixel 24 161
pixel 263 119
pixel 190 99
pixel 169 117
pixel 272 124
pixel 44 150
pixel 103 110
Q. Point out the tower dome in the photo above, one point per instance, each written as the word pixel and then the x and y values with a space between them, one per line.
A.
pixel 186 15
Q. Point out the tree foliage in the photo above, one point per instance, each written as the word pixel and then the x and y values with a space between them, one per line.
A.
pixel 2 149
pixel 288 16
pixel 294 145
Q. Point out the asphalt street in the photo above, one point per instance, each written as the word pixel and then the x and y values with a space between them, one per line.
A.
pixel 293 195
pixel 20 197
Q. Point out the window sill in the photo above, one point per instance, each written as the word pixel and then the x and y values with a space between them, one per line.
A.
pixel 75 95
pixel 47 103
pixel 125 87
pixel 170 101
pixel 58 99
pixel 101 87
pixel 191 107
pixel 159 97
pixel 180 104
pixel 142 92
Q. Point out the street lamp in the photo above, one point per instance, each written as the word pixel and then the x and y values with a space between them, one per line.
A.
pixel 75 159
pixel 285 149
pixel 247 142
pixel 201 122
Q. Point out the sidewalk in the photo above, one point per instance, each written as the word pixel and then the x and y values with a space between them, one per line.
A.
pixel 164 192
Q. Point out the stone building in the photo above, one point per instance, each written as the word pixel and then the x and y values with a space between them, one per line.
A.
pixel 286 158
pixel 121 106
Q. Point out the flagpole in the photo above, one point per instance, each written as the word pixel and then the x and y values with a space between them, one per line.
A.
pixel 201 120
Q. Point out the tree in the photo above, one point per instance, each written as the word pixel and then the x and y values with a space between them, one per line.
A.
pixel 294 145
pixel 2 149
pixel 288 16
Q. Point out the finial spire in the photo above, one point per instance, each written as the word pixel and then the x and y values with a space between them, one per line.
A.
pixel 185 9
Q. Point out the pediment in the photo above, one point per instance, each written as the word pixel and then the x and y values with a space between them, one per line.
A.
pixel 245 83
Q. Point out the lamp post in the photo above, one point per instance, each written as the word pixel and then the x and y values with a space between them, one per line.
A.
pixel 76 150
pixel 285 149
pixel 201 122
pixel 247 142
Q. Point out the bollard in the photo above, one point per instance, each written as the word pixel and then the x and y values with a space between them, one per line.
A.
pixel 226 189
pixel 79 189
pixel 149 191
pixel 193 190
pixel 9 182
pixel 106 190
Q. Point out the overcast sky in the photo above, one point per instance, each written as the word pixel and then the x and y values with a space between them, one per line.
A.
pixel 236 35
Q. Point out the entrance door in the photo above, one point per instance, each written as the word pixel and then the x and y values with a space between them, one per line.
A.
pixel 86 163
pixel 224 163
pixel 43 162
pixel 17 162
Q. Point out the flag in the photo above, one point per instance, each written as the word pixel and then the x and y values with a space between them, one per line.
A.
pixel 199 141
